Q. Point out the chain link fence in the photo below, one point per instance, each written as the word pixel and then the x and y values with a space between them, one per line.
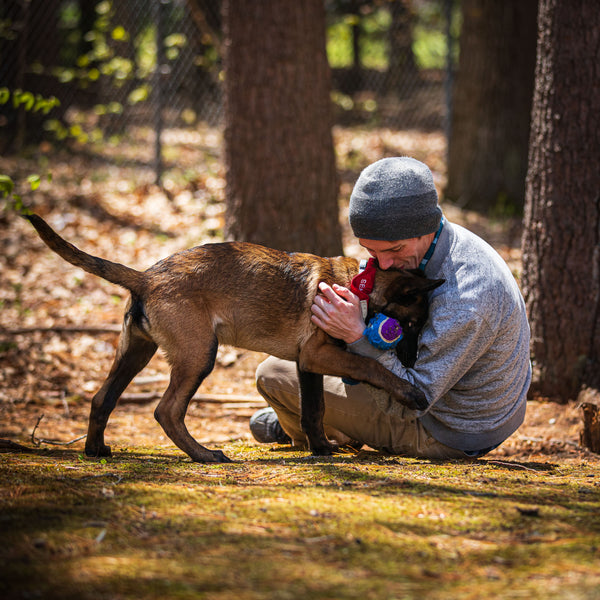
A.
pixel 156 64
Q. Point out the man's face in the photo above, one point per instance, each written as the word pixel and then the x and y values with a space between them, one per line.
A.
pixel 402 254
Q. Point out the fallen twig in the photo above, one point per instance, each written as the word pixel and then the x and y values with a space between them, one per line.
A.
pixel 511 464
pixel 33 440
pixel 38 441
pixel 11 446
pixel 61 329
pixel 143 397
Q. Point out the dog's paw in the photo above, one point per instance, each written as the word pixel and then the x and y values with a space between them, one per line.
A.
pixel 420 401
pixel 323 449
pixel 220 457
pixel 415 400
pixel 211 456
pixel 97 452
pixel 412 398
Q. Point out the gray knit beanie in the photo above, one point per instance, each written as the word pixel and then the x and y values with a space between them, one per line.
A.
pixel 394 199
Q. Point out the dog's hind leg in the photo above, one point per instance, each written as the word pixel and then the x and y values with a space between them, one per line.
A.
pixel 312 409
pixel 133 353
pixel 191 365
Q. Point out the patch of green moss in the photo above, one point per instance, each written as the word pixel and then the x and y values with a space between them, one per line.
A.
pixel 149 523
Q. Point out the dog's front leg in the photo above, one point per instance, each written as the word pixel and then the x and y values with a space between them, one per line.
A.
pixel 312 408
pixel 321 355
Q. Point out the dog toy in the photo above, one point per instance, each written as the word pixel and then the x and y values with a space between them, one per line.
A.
pixel 383 332
pixel 363 283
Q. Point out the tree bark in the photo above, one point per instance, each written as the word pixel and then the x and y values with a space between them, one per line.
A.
pixel 590 435
pixel 487 151
pixel 281 174
pixel 561 242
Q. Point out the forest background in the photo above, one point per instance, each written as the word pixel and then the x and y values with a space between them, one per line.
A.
pixel 93 166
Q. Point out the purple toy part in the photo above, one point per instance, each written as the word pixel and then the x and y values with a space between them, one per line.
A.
pixel 390 330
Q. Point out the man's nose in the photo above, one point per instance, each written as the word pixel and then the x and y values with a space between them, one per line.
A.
pixel 384 262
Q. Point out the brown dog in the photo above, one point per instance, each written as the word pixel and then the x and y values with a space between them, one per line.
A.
pixel 248 296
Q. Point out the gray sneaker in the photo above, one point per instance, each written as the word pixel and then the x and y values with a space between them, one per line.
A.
pixel 266 429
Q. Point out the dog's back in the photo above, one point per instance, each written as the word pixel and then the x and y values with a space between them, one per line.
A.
pixel 257 298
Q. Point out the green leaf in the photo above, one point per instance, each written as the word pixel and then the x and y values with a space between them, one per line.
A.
pixel 66 75
pixel 19 206
pixel 6 185
pixel 75 130
pixel 138 95
pixel 34 181
pixel 16 97
pixel 114 108
pixel 103 8
pixel 175 39
pixel 28 99
pixel 50 104
pixel 120 34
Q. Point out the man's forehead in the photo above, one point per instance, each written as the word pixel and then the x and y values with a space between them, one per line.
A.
pixel 383 244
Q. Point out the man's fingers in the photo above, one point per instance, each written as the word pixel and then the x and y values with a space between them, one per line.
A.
pixel 335 292
pixel 317 321
pixel 317 309
pixel 344 292
pixel 335 310
pixel 327 291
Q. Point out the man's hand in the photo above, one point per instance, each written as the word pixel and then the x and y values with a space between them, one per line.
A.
pixel 336 310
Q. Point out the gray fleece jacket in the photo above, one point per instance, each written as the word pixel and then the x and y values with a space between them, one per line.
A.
pixel 473 362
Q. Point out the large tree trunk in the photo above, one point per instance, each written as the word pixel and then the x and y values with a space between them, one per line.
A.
pixel 487 152
pixel 561 242
pixel 281 176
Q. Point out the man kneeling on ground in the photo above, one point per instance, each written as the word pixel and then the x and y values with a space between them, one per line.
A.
pixel 473 356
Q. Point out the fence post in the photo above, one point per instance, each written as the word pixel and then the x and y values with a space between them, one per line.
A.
pixel 160 71
pixel 449 74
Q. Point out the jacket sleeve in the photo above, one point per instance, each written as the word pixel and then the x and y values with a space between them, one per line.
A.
pixel 450 344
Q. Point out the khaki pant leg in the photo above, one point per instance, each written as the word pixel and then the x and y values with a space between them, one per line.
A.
pixel 354 412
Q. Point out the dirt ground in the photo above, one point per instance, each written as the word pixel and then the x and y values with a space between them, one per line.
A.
pixel 58 325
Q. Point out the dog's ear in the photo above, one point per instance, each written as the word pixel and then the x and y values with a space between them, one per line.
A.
pixel 411 283
pixel 429 284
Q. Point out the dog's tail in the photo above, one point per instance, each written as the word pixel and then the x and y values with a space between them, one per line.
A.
pixel 114 272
